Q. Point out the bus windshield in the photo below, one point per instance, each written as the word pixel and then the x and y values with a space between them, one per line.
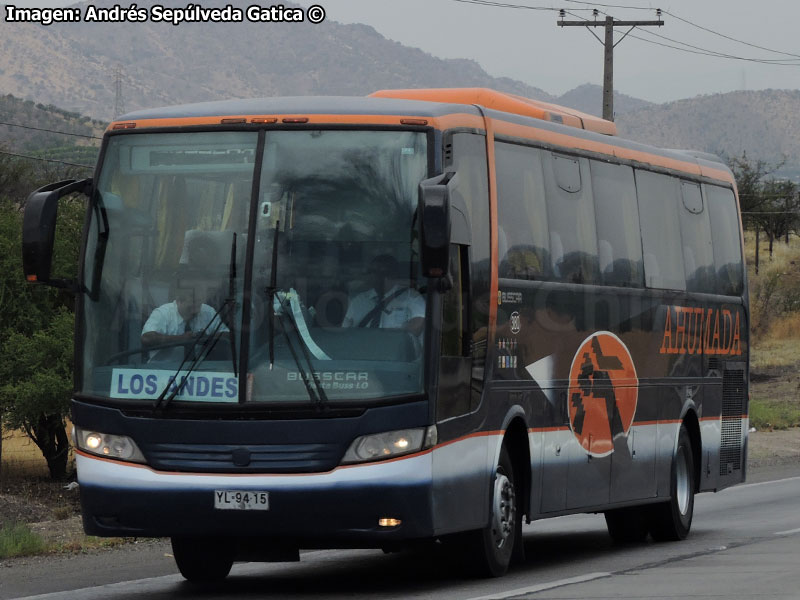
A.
pixel 290 260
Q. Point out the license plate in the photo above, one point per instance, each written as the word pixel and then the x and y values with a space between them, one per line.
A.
pixel 241 500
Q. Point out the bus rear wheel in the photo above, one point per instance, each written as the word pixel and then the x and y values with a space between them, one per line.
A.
pixel 672 520
pixel 202 560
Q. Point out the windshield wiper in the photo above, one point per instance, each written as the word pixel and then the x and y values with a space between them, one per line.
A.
pixel 320 397
pixel 271 290
pixel 208 343
pixel 230 302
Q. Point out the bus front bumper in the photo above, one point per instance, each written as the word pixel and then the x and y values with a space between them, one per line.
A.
pixel 342 507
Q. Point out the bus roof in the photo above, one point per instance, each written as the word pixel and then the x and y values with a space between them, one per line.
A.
pixel 509 103
pixel 441 107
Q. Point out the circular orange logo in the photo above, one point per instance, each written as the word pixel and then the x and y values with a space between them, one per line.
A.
pixel 603 390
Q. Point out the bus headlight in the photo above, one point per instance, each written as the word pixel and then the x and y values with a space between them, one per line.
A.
pixel 107 445
pixel 380 446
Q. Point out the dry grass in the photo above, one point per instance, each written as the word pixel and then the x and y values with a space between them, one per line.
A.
pixel 775 291
pixel 769 354
pixel 786 328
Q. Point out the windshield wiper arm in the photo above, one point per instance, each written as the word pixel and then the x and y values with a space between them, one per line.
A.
pixel 271 289
pixel 208 345
pixel 230 302
pixel 320 397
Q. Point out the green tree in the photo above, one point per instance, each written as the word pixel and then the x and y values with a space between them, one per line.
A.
pixel 37 371
pixel 780 209
pixel 36 322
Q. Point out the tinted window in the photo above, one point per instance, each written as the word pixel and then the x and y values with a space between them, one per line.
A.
pixel 472 183
pixel 658 214
pixel 524 242
pixel 725 237
pixel 570 212
pixel 698 258
pixel 619 244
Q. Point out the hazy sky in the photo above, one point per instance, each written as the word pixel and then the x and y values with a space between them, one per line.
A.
pixel 527 44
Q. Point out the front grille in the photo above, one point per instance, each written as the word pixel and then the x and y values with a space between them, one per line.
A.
pixel 266 458
pixel 730 454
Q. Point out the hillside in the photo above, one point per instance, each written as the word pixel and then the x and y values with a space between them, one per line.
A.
pixel 588 98
pixel 764 124
pixel 73 64
pixel 38 138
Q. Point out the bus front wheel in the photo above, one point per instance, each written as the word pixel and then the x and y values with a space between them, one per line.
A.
pixel 202 560
pixel 492 547
pixel 671 521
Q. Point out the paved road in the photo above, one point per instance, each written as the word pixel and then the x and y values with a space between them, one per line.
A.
pixel 745 544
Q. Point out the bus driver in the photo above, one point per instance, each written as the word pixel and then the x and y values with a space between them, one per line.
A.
pixel 387 302
pixel 179 322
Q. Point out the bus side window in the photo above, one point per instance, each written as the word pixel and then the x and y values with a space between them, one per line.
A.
pixel 571 215
pixel 524 243
pixel 698 259
pixel 619 242
pixel 661 234
pixel 726 241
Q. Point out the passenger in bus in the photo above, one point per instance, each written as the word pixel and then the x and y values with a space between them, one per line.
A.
pixel 388 301
pixel 180 322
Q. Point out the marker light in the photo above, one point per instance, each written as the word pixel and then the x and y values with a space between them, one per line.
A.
pixel 414 121
pixel 389 522
pixel 380 446
pixel 295 119
pixel 233 121
pixel 124 126
pixel 120 447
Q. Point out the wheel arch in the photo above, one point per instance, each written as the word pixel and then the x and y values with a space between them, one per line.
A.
pixel 516 441
pixel 692 425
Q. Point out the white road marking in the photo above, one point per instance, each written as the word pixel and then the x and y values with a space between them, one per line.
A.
pixel 543 586
pixel 789 532
pixel 744 486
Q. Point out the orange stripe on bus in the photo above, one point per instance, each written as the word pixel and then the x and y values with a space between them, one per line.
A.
pixel 442 122
pixel 572 142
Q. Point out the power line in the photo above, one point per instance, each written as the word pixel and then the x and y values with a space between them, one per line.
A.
pixel 505 5
pixel 691 49
pixel 706 52
pixel 91 137
pixel 46 160
pixel 722 35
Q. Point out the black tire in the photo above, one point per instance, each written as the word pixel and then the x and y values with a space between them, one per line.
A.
pixel 627 525
pixel 202 560
pixel 490 549
pixel 671 521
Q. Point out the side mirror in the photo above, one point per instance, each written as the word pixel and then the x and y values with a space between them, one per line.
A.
pixel 434 207
pixel 39 228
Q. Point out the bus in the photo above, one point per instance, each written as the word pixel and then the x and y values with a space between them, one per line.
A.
pixel 419 316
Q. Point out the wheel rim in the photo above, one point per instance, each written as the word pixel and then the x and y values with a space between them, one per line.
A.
pixel 682 485
pixel 504 509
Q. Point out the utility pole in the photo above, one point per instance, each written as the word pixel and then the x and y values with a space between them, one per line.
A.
pixel 608 70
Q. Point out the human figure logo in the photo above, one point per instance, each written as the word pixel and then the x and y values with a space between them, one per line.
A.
pixel 603 391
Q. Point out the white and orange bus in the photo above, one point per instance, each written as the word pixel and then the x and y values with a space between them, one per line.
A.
pixel 429 315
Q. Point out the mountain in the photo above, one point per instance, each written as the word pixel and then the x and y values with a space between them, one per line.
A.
pixel 588 98
pixel 76 66
pixel 765 124
pixel 73 65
